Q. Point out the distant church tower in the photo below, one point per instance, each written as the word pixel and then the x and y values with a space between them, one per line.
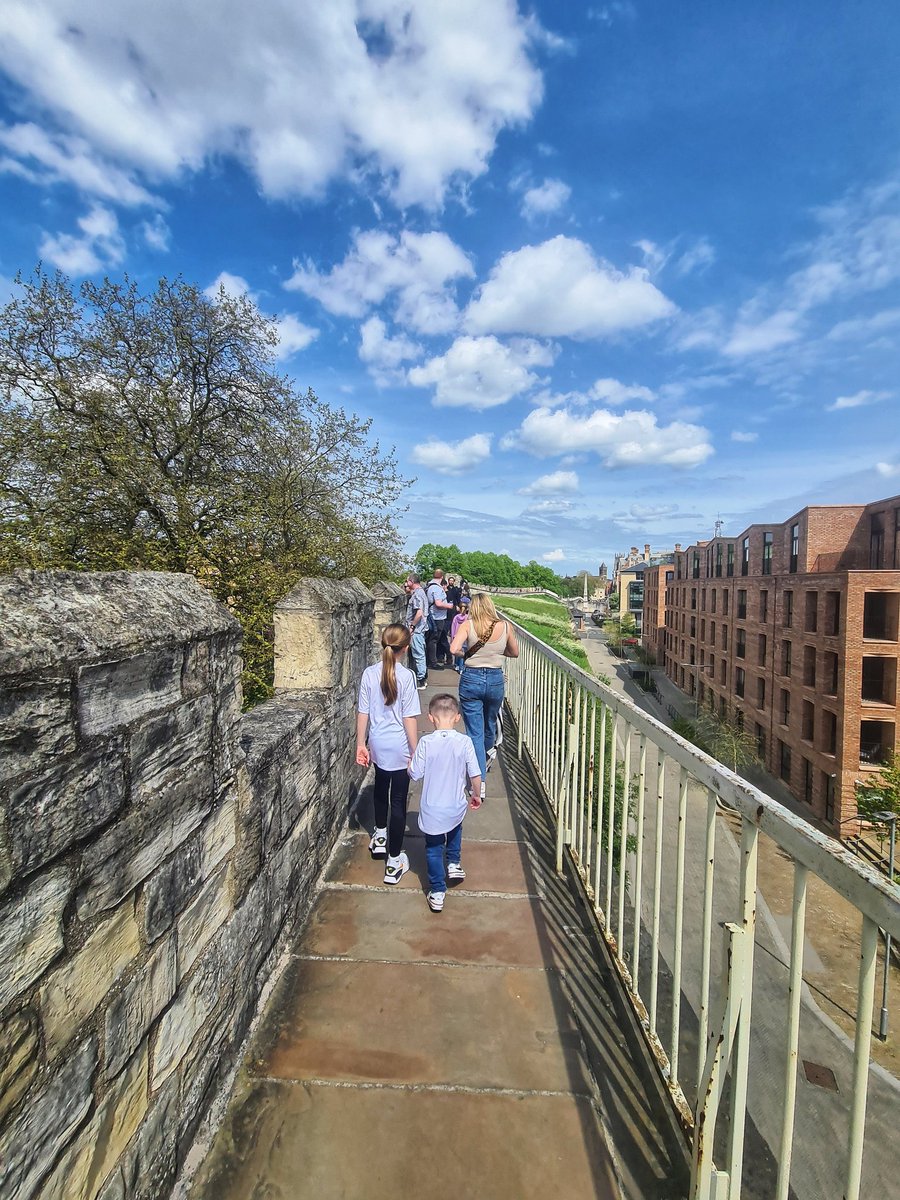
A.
pixel 603 571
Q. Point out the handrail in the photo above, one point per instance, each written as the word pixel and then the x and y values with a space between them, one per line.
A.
pixel 616 825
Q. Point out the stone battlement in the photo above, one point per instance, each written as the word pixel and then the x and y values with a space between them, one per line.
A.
pixel 156 846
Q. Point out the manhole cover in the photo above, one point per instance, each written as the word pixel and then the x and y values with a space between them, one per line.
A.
pixel 821 1076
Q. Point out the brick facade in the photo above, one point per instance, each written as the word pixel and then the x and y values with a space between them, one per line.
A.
pixel 792 629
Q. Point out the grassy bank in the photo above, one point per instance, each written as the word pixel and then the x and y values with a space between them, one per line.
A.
pixel 548 620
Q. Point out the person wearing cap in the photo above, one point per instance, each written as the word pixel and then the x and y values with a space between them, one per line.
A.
pixel 461 617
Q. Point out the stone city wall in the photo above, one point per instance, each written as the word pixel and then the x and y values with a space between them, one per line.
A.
pixel 156 847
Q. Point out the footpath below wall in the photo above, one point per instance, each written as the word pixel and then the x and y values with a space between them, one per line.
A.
pixel 155 846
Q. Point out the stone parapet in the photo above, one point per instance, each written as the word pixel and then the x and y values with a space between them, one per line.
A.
pixel 155 848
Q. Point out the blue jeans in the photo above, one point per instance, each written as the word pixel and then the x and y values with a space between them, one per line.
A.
pixel 434 856
pixel 417 651
pixel 480 697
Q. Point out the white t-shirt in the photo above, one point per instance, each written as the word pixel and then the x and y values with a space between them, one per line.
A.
pixel 388 743
pixel 446 760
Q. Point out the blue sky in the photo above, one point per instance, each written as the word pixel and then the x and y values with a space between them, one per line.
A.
pixel 601 272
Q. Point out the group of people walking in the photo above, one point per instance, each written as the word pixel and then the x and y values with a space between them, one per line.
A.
pixel 452 765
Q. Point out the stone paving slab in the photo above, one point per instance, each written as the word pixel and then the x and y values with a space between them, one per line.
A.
pixel 397 925
pixel 286 1140
pixel 417 1024
pixel 490 866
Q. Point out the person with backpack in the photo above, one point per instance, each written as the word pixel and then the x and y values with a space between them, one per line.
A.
pixel 437 643
pixel 388 707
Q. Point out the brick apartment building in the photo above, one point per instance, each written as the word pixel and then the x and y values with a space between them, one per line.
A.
pixel 792 631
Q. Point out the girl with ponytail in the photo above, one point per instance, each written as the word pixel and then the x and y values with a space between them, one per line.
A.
pixel 388 707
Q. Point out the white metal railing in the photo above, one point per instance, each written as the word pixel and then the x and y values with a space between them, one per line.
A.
pixel 638 812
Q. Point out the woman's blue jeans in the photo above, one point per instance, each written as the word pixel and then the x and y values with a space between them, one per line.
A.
pixel 480 697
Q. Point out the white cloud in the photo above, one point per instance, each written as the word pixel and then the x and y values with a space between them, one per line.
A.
pixel 655 258
pixel 550 507
pixel 417 269
pixel 857 400
pixel 544 199
pixel 293 335
pixel 299 91
pixel 482 372
pixel 626 439
pixel 887 470
pixel 759 336
pixel 559 289
pixel 553 556
pixel 550 485
pixel 383 354
pixel 99 245
pixel 862 327
pixel 63 159
pixel 157 233
pixel 611 391
pixel 740 435
pixel 696 257
pixel 453 458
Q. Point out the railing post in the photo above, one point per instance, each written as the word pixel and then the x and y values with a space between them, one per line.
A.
pixel 740 1072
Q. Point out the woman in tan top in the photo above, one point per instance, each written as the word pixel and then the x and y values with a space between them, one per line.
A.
pixel 481 684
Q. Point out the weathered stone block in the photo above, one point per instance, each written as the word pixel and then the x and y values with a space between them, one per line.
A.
pixel 114 694
pixel 169 749
pixel 76 989
pixel 169 890
pixel 36 725
pixel 202 919
pixel 132 849
pixel 131 1013
pixel 20 1057
pixel 31 1143
pixel 314 625
pixel 31 933
pixel 88 1162
pixel 64 805
pixel 147 1170
pixel 195 672
pixel 179 1024
pixel 219 834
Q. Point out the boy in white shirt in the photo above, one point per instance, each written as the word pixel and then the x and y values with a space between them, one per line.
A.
pixel 444 759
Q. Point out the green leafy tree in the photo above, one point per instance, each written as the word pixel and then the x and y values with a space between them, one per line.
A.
pixel 152 431
pixel 613 601
pixel 881 792
pixel 725 740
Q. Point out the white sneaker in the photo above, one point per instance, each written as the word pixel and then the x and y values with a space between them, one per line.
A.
pixel 483 791
pixel 455 872
pixel 499 734
pixel 396 868
pixel 378 844
pixel 490 757
pixel 436 901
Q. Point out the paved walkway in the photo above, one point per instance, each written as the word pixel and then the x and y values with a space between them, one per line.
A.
pixel 478 1053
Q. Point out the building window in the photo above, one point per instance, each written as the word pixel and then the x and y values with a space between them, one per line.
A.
pixel 724 604
pixel 729 563
pixel 876 541
pixel 693 597
pixel 807 781
pixel 809 666
pixel 831 673
pixel 712 632
pixel 745 556
pixel 829 796
pixel 739 682
pixel 702 629
pixel 723 673
pixel 739 719
pixel 811 622
pixel 718 560
pixel 741 605
pixel 767 554
pixel 879 679
pixel 695 568
pixel 785 706
pixel 724 637
pixel 787 610
pixel 784 761
pixel 740 643
pixel 761 650
pixel 876 742
pixel 786 659
pixel 760 693
pixel 829 720
pixel 808 722
pixel 703 599
pixel 693 627
pixel 712 607
pixel 760 741
pixel 795 548
pixel 880 616
pixel 832 613
pixel 701 692
pixel 763 606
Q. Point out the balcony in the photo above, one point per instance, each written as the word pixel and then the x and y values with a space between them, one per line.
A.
pixel 876 742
